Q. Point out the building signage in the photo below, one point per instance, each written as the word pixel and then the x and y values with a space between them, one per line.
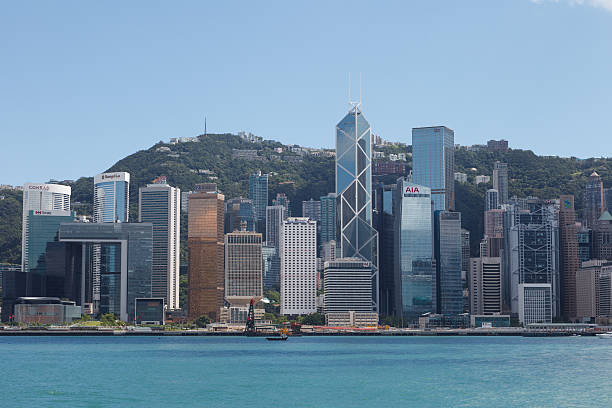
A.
pixel 412 189
pixel 41 187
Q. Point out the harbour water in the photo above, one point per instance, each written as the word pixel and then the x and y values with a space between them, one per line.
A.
pixel 305 372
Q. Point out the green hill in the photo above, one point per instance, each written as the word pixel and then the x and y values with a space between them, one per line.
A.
pixel 305 176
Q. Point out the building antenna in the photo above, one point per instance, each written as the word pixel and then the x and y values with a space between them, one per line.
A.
pixel 205 126
pixel 360 89
pixel 349 90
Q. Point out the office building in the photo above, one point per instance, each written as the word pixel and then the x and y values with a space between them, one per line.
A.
pixel 185 201
pixel 298 274
pixel 312 209
pixel 160 205
pixel 605 291
pixel 206 252
pixel 588 290
pixel 258 193
pixel 593 205
pixel 447 250
pixel 491 199
pixel 125 263
pixel 357 237
pixel 281 199
pixel 535 303
pixel 500 180
pixel 111 197
pixel 40 198
pixel 585 244
pixel 275 215
pixel 271 267
pixel 494 223
pixel 465 250
pixel 384 223
pixel 497 145
pixel 414 277
pixel 328 218
pixel 433 163
pixel 485 286
pixel 602 237
pixel 45 310
pixel 237 211
pixel 243 267
pixel 42 228
pixel 568 256
pixel 348 285
pixel 328 251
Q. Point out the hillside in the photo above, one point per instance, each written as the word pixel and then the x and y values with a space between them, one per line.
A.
pixel 303 176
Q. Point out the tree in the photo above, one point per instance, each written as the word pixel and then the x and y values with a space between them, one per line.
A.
pixel 202 321
pixel 314 319
pixel 108 319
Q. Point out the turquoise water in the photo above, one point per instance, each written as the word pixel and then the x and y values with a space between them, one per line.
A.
pixel 305 372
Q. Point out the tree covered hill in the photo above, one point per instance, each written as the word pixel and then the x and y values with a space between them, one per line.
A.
pixel 301 176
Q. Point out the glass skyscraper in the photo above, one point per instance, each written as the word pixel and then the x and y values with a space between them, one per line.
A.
pixel 238 210
pixel 433 163
pixel 447 250
pixel 111 197
pixel 258 193
pixel 414 267
pixel 328 218
pixel 42 228
pixel 357 236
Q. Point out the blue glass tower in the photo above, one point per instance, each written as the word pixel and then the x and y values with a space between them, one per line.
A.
pixel 414 266
pixel 258 193
pixel 447 252
pixel 111 197
pixel 328 218
pixel 357 236
pixel 433 163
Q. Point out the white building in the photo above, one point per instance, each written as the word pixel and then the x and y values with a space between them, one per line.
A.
pixel 160 204
pixel 298 274
pixel 41 197
pixel 460 177
pixel 535 303
pixel 482 179
pixel 111 197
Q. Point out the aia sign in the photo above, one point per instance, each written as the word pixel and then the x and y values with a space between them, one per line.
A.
pixel 412 190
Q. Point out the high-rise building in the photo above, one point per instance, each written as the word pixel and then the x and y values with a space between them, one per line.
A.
pixel 160 204
pixel 588 290
pixel 185 201
pixel 568 256
pixel 348 285
pixel 500 180
pixel 357 236
pixel 271 267
pixel 41 198
pixel 494 223
pixel 535 303
pixel 585 244
pixel 433 163
pixel 414 277
pixel 126 252
pixel 275 215
pixel 237 211
pixel 593 200
pixel 42 228
pixel 465 250
pixel 328 218
pixel 328 251
pixel 111 197
pixel 298 273
pixel 384 222
pixel 602 237
pixel 258 193
pixel 312 209
pixel 243 267
pixel 206 252
pixel 447 249
pixel 605 290
pixel 608 199
pixel 281 199
pixel 485 286
pixel 491 199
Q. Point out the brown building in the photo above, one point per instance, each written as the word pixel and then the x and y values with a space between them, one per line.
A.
pixel 206 251
pixel 602 237
pixel 568 256
pixel 588 290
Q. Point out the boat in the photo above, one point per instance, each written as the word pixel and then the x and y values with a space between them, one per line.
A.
pixel 277 338
pixel 607 335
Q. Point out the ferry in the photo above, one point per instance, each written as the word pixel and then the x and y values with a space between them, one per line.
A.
pixel 607 335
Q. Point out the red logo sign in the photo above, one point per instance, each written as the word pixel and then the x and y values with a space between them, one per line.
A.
pixel 412 189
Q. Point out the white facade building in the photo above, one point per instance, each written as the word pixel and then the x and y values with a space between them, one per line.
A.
pixel 298 274
pixel 41 197
pixel 111 197
pixel 160 204
pixel 535 303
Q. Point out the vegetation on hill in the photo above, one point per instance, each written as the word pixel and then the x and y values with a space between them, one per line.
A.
pixel 306 176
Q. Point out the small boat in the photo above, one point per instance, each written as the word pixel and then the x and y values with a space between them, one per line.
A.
pixel 607 335
pixel 277 338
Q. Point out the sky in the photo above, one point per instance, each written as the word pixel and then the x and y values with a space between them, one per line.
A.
pixel 84 84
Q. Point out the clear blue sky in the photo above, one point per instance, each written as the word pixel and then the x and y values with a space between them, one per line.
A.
pixel 83 84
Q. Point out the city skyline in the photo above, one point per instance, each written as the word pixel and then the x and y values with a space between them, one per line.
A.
pixel 129 110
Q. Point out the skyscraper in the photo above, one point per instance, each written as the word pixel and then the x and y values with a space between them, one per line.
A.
pixel 500 180
pixel 275 215
pixel 593 200
pixel 433 163
pixel 206 252
pixel 42 228
pixel 243 267
pixel 312 209
pixel 298 273
pixel 42 198
pixel 447 249
pixel 357 236
pixel 491 199
pixel 160 205
pixel 328 218
pixel 348 286
pixel 485 286
pixel 282 199
pixel 238 210
pixel 415 279
pixel 271 267
pixel 384 222
pixel 111 197
pixel 258 193
pixel 568 256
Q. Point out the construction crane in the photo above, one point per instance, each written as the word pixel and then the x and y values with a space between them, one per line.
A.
pixel 250 329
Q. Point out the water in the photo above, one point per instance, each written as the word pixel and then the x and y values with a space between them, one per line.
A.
pixel 305 372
